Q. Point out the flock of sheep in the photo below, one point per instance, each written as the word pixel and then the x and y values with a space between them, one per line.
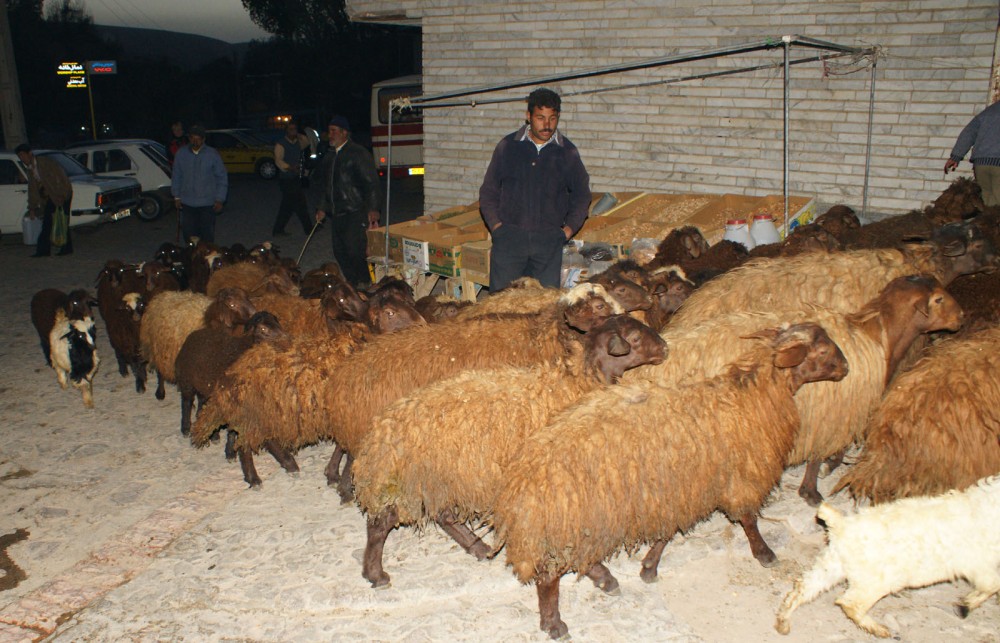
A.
pixel 616 414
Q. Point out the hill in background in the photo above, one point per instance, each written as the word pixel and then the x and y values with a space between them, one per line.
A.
pixel 187 50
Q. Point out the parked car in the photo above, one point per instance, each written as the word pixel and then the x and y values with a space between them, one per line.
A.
pixel 142 159
pixel 96 199
pixel 242 152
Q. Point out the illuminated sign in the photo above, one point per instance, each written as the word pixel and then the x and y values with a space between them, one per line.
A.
pixel 105 67
pixel 76 82
pixel 69 69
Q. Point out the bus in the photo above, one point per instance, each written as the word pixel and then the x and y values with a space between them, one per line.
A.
pixel 407 127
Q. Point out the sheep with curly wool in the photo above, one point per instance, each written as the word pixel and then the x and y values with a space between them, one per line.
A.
pixel 268 395
pixel 909 543
pixel 417 463
pixel 938 427
pixel 392 366
pixel 172 316
pixel 584 488
pixel 843 281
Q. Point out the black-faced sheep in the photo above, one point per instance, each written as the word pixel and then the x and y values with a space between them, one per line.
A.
pixel 417 463
pixel 938 427
pixel 45 304
pixel 583 488
pixel 208 352
pixel 843 281
pixel 296 379
pixel 74 353
pixel 172 316
pixel 913 542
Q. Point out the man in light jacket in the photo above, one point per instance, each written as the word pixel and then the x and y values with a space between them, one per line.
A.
pixel 200 185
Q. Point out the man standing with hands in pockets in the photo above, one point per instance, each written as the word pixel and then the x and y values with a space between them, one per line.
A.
pixel 351 197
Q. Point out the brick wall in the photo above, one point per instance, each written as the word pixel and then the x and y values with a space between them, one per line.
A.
pixel 714 135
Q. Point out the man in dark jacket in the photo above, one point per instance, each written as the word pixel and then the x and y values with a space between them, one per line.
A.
pixel 535 196
pixel 48 188
pixel 351 197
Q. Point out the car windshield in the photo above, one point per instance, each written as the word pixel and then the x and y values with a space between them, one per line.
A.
pixel 250 139
pixel 71 166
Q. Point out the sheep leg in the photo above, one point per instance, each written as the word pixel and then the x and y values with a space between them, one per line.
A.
pixel 139 371
pixel 461 534
pixel 603 579
pixel 87 388
pixel 856 602
pixel 548 606
pixel 282 455
pixel 187 401
pixel 333 467
pixel 831 463
pixel 651 562
pixel 249 471
pixel 160 391
pixel 758 547
pixel 378 531
pixel 826 573
pixel 345 487
pixel 808 488
pixel 230 449
pixel 986 583
pixel 122 364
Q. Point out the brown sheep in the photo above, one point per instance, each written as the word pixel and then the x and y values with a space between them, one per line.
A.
pixel 417 463
pixel 317 280
pixel 839 221
pixel 584 488
pixel 938 427
pixel 680 246
pixel 669 287
pixel 296 379
pixel 843 281
pixel 439 308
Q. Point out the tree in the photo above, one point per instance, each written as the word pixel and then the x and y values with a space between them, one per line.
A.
pixel 304 21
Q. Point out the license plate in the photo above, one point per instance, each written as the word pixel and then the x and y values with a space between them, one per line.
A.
pixel 414 171
pixel 121 214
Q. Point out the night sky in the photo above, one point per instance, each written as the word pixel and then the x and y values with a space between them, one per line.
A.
pixel 223 19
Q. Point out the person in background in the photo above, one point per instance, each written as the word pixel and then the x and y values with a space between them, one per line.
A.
pixel 199 185
pixel 982 135
pixel 48 188
pixel 288 157
pixel 351 198
pixel 178 139
pixel 534 197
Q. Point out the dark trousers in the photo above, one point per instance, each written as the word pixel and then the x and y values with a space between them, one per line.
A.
pixel 350 246
pixel 293 201
pixel 44 246
pixel 198 222
pixel 526 253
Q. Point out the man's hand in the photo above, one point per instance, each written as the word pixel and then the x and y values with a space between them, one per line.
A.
pixel 177 203
pixel 950 166
pixel 568 231
pixel 217 207
pixel 320 215
pixel 373 217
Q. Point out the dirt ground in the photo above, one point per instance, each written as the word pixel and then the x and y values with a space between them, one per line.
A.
pixel 134 535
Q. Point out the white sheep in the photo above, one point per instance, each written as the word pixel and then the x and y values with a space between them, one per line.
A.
pixel 913 542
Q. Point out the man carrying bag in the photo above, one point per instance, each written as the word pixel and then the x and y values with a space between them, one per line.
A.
pixel 50 196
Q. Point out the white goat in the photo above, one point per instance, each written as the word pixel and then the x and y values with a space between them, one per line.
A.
pixel 913 542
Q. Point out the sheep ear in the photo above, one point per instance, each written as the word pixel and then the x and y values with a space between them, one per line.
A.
pixel 766 334
pixel 660 289
pixel 790 355
pixel 923 307
pixel 617 346
pixel 954 248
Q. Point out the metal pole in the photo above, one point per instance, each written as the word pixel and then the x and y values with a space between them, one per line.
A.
pixel 90 95
pixel 388 185
pixel 11 112
pixel 786 40
pixel 868 146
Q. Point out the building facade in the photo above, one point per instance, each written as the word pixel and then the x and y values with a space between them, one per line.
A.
pixel 716 135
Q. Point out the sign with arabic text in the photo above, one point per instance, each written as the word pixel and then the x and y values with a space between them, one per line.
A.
pixel 69 69
pixel 102 67
pixel 76 82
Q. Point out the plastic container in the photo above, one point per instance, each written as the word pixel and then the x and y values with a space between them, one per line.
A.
pixel 763 230
pixel 738 231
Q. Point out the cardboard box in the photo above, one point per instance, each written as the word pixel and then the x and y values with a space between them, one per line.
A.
pixel 448 213
pixel 476 257
pixel 476 277
pixel 444 250
pixel 397 232
pixel 415 254
pixel 470 218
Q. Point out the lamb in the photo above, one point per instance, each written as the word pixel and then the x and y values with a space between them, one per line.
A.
pixel 913 542
pixel 417 462
pixel 45 306
pixel 938 427
pixel 583 488
pixel 390 367
pixel 678 247
pixel 317 280
pixel 208 352
pixel 839 221
pixel 254 278
pixel 296 379
pixel 843 281
pixel 74 353
pixel 439 308
pixel 172 316
pixel 123 323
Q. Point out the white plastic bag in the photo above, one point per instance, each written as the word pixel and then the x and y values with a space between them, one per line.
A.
pixel 30 229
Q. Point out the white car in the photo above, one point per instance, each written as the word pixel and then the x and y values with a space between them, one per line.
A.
pixel 141 159
pixel 95 199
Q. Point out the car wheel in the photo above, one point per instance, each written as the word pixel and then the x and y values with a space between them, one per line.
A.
pixel 150 208
pixel 266 169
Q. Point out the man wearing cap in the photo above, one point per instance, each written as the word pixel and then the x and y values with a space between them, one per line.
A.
pixel 534 197
pixel 351 197
pixel 199 185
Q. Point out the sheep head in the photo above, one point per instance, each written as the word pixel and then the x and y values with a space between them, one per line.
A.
pixel 403 289
pixel 629 294
pixel 839 221
pixel 806 352
pixel 620 343
pixel 965 250
pixel 134 303
pixel 680 245
pixel 340 301
pixel 670 288
pixel 586 305
pixel 264 327
pixel 79 303
pixel 231 308
pixel 389 311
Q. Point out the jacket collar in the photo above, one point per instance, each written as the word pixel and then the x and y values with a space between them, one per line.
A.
pixel 522 135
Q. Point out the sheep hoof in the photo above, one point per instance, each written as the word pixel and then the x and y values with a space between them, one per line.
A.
pixel 962 611
pixel 160 394
pixel 812 497
pixel 649 575
pixel 480 550
pixel 293 474
pixel 558 631
pixel 382 582
pixel 767 560
pixel 783 626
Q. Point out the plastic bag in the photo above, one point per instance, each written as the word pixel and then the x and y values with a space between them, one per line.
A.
pixel 31 229
pixel 60 227
pixel 643 250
